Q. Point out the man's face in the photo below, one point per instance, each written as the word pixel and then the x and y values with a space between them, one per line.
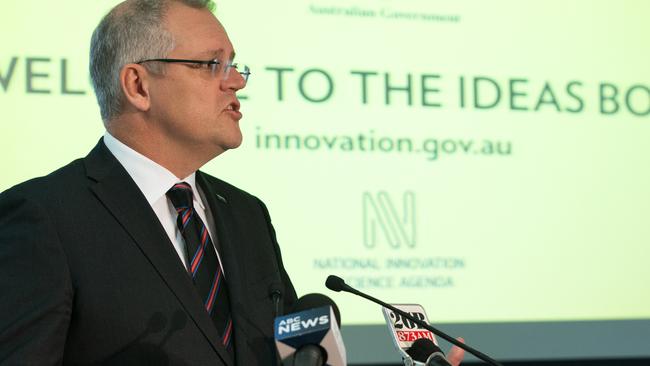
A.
pixel 194 109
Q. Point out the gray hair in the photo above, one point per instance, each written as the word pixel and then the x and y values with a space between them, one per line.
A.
pixel 132 31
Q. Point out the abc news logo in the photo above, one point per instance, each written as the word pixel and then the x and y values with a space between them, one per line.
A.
pixel 296 324
pixel 408 331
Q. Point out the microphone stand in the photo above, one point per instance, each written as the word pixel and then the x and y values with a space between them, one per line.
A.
pixel 337 284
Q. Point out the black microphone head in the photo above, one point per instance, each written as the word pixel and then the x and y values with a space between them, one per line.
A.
pixel 311 301
pixel 335 283
pixel 275 289
pixel 421 349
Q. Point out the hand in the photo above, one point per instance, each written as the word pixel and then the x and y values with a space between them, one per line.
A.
pixel 456 354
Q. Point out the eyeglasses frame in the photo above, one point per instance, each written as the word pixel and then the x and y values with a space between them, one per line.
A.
pixel 213 63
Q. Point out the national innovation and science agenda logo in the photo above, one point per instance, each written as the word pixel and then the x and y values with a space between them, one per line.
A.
pixel 394 221
pixel 388 254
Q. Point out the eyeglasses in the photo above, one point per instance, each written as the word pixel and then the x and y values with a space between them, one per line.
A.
pixel 215 66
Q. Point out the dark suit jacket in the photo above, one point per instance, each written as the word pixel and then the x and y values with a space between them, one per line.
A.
pixel 88 275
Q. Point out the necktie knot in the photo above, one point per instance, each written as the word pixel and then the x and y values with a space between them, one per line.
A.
pixel 181 195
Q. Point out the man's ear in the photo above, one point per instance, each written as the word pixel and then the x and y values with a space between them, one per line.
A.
pixel 134 80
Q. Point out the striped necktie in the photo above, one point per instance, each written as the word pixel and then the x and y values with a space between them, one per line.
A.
pixel 203 265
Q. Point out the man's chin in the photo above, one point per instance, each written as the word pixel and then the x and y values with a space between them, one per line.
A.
pixel 231 145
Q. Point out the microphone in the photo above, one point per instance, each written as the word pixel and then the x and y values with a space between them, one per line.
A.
pixel 337 284
pixel 275 293
pixel 310 335
pixel 426 352
pixel 406 334
pixel 311 354
pixel 311 301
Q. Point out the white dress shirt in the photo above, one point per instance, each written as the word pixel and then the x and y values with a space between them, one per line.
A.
pixel 154 181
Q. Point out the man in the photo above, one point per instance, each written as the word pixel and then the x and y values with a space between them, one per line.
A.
pixel 131 256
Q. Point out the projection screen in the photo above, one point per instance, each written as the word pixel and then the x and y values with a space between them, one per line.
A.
pixel 486 159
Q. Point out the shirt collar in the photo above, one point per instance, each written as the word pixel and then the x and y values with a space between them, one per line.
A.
pixel 153 179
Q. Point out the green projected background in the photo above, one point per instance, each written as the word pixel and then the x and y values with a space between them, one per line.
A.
pixel 486 159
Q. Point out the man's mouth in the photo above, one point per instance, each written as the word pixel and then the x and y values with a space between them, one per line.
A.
pixel 233 108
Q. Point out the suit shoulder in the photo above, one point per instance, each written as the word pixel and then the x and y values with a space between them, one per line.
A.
pixel 62 181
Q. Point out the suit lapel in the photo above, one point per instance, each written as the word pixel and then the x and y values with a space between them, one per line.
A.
pixel 122 197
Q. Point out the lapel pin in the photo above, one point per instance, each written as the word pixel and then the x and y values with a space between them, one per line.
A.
pixel 221 198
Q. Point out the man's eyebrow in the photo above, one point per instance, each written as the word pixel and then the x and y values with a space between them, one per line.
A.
pixel 209 54
pixel 216 54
